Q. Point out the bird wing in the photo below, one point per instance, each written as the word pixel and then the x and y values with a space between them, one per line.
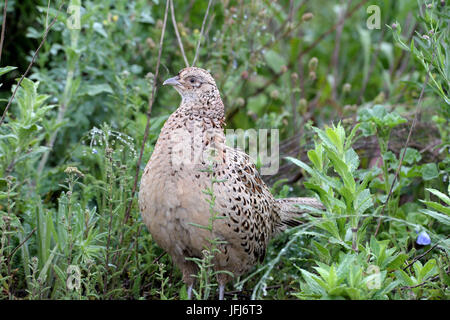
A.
pixel 244 198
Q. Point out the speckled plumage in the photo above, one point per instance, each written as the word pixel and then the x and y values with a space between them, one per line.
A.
pixel 171 197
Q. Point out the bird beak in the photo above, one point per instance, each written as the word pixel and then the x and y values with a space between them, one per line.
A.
pixel 172 81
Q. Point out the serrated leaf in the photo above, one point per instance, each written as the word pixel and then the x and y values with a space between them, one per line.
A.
pixel 417 266
pixel 363 201
pixel 315 159
pixel 325 139
pixel 344 266
pixel 324 253
pixel 353 293
pixel 411 156
pixel 393 119
pixel 335 138
pixel 437 206
pixel 440 195
pixel 436 215
pixel 350 140
pixel 391 286
pixel 331 227
pixel 343 170
pixel 301 164
pixel 315 284
pixel 427 270
pixel 404 278
pixel 352 159
pixel 398 261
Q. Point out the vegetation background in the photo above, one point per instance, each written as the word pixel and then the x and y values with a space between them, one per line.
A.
pixel 363 115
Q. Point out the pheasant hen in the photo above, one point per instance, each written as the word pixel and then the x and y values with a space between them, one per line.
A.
pixel 172 200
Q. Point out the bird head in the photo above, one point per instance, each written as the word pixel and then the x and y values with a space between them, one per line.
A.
pixel 193 84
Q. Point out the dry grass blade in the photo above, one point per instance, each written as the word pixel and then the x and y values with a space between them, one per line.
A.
pixel 180 43
pixel 5 7
pixel 149 111
pixel 403 153
pixel 201 33
pixel 21 244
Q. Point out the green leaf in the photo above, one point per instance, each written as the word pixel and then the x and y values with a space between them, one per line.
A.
pixel 6 69
pixel 343 170
pixel 325 139
pixel 183 293
pixel 332 277
pixel 301 164
pixel 417 266
pixel 324 195
pixel 411 156
pixel 436 215
pixel 316 157
pixel 429 171
pixel 335 138
pixel 274 60
pixel 404 278
pixel 352 159
pixel 393 119
pixel 98 27
pixel 363 201
pixel 315 283
pixel 378 112
pixel 94 89
pixel 437 206
pixel 355 275
pixel 397 262
pixel 368 129
pixel 45 268
pixel 389 156
pixel 353 293
pixel 324 253
pixel 428 270
pixel 391 286
pixel 350 140
pixel 440 195
pixel 324 273
pixel 344 266
pixel 374 246
pixel 146 16
pixel 331 227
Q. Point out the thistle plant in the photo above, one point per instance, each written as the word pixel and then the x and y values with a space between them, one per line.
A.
pixel 345 198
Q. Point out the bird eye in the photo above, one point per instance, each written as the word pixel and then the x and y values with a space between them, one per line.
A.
pixel 192 80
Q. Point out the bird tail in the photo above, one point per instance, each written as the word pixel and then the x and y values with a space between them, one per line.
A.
pixel 291 214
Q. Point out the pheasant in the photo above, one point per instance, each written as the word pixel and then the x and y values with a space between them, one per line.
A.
pixel 188 154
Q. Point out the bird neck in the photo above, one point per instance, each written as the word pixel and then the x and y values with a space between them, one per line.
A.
pixel 207 105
